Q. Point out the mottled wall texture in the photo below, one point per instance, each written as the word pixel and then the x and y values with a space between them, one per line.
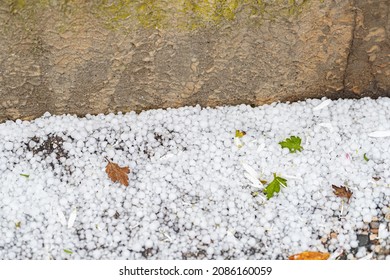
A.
pixel 99 56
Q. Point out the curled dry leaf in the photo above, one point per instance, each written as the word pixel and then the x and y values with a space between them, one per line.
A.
pixel 307 255
pixel 117 173
pixel 342 192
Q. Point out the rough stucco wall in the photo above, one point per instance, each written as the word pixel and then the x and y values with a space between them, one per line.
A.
pixel 369 60
pixel 109 56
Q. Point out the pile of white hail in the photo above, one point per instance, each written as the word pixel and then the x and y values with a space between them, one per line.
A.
pixel 192 187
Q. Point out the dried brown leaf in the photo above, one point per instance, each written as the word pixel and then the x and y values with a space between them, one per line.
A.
pixel 117 173
pixel 342 192
pixel 307 255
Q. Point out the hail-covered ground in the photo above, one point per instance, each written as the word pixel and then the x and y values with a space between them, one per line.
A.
pixel 195 189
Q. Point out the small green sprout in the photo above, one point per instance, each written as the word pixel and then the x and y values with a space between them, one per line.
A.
pixel 293 144
pixel 274 186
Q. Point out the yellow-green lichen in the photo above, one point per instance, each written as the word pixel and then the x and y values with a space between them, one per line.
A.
pixel 226 9
pixel 194 14
pixel 163 14
pixel 22 15
pixel 127 14
pixel 16 5
pixel 190 14
pixel 296 7
pixel 151 13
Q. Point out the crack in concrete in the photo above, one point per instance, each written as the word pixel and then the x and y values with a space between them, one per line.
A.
pixel 351 44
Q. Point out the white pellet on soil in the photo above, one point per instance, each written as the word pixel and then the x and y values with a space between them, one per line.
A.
pixel 194 191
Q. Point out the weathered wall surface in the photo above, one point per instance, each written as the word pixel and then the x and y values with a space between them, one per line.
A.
pixel 69 56
pixel 368 68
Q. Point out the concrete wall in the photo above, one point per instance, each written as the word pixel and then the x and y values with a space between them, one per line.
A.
pixel 66 56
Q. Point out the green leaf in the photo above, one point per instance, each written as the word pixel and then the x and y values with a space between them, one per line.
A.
pixel 293 144
pixel 240 133
pixel 274 186
pixel 365 157
pixel 68 251
pixel 18 224
pixel 25 175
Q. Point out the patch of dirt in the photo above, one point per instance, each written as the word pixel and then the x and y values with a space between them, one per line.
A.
pixel 53 144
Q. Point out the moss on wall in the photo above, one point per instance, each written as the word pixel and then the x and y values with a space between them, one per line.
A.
pixel 176 14
pixel 99 56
